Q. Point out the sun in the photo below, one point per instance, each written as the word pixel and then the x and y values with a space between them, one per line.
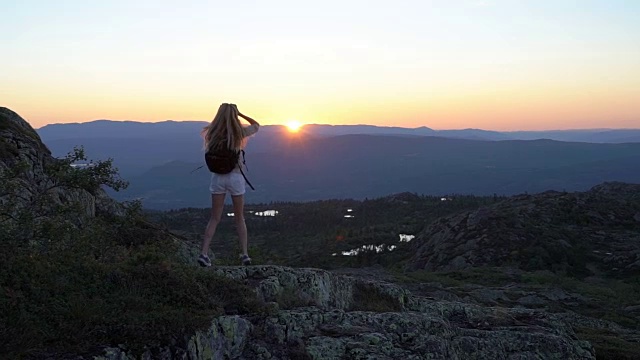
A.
pixel 294 125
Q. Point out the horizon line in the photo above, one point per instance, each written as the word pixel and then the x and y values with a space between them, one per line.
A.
pixel 316 124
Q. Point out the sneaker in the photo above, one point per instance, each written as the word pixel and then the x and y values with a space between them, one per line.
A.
pixel 204 260
pixel 245 259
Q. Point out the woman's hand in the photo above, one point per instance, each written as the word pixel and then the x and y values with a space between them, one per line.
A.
pixel 250 120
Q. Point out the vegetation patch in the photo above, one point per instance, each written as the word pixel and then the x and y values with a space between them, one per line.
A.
pixel 486 276
pixel 7 149
pixel 609 346
pixel 603 298
pixel 291 298
pixel 70 284
pixel 72 299
pixel 309 234
pixel 367 297
pixel 606 297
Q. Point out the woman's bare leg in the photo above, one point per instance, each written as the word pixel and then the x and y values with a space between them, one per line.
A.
pixel 217 205
pixel 238 215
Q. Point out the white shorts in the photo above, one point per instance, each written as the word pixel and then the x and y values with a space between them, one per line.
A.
pixel 232 182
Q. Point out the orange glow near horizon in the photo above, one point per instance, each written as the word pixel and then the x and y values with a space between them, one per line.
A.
pixel 506 109
pixel 510 116
pixel 526 104
pixel 443 65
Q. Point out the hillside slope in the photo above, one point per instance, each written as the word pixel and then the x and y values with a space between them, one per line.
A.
pixel 360 166
pixel 591 233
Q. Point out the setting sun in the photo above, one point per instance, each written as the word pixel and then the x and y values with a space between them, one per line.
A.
pixel 294 125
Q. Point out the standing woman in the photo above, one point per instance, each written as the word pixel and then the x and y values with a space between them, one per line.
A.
pixel 226 130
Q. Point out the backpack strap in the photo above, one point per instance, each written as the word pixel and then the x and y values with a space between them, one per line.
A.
pixel 242 172
pixel 244 162
pixel 198 168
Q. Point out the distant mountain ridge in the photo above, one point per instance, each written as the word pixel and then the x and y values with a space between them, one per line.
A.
pixel 360 166
pixel 134 129
pixel 322 162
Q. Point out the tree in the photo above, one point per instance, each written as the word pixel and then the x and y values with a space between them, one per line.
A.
pixel 49 205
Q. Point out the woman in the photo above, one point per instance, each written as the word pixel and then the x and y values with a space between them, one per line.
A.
pixel 226 129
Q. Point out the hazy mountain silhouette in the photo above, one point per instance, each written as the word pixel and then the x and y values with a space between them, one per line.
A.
pixel 318 163
pixel 359 166
pixel 119 129
pixel 593 136
pixel 133 129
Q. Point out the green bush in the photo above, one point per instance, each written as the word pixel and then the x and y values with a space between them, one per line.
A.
pixel 70 284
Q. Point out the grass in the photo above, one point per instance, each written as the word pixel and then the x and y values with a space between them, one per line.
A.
pixel 609 346
pixel 488 276
pixel 609 290
pixel 366 297
pixel 291 298
pixel 604 298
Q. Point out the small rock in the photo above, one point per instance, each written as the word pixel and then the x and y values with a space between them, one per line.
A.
pixel 531 300
pixel 489 296
pixel 632 308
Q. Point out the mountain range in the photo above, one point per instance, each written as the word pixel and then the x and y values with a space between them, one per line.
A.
pixel 134 129
pixel 354 161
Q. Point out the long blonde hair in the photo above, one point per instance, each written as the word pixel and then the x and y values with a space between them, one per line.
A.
pixel 225 126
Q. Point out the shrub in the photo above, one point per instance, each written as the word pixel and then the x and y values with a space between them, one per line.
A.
pixel 367 297
pixel 70 284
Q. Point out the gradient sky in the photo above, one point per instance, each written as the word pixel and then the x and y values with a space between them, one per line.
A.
pixel 446 64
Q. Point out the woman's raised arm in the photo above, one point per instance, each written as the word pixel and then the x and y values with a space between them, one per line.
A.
pixel 250 120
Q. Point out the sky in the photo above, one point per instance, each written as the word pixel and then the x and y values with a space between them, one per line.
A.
pixel 445 64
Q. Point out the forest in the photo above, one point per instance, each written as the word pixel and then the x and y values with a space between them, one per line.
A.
pixel 315 234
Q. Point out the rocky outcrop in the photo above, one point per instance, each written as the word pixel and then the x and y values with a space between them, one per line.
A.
pixel 315 314
pixel 24 164
pixel 575 233
pixel 226 338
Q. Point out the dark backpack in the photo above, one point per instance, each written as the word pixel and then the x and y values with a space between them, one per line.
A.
pixel 221 160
